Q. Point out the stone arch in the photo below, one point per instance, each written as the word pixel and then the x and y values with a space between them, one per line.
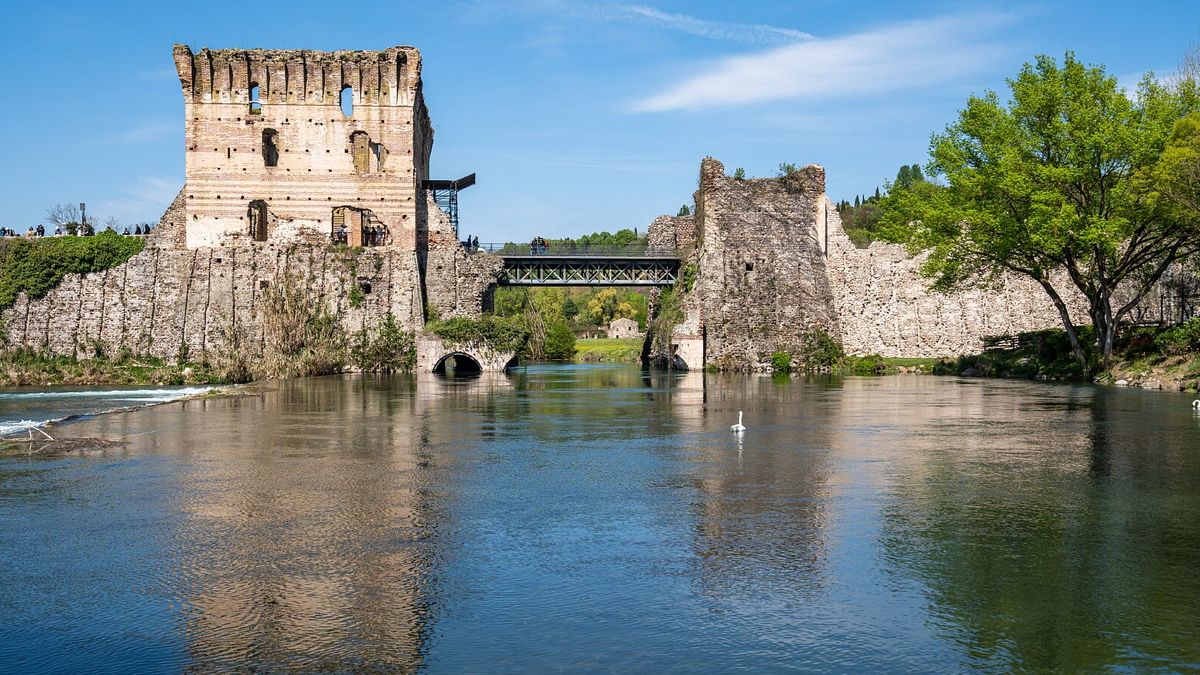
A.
pixel 462 364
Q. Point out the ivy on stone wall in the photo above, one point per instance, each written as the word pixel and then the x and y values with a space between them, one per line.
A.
pixel 36 266
pixel 500 333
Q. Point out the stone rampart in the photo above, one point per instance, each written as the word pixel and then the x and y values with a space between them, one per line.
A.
pixel 163 300
pixel 885 306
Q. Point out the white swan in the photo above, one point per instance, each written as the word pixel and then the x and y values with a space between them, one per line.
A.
pixel 738 427
pixel 1196 404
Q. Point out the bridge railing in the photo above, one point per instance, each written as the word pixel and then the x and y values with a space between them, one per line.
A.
pixel 575 250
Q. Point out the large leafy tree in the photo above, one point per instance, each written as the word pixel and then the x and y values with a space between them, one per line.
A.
pixel 1059 183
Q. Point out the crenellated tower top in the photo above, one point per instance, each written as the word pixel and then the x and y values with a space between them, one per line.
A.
pixel 391 77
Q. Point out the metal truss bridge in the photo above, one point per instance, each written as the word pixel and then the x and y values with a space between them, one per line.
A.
pixel 592 266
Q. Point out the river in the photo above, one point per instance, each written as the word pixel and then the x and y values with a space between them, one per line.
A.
pixel 598 518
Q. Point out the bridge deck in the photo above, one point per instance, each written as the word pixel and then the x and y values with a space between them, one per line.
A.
pixel 588 270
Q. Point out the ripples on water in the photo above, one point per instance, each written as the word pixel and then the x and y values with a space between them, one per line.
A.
pixel 598 518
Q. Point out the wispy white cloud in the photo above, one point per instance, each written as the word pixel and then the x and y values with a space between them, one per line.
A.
pixel 904 56
pixel 716 30
pixel 729 31
pixel 144 201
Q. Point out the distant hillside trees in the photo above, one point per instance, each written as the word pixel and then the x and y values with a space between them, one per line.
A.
pixel 862 219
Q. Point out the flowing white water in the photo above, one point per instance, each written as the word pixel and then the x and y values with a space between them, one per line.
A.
pixel 21 409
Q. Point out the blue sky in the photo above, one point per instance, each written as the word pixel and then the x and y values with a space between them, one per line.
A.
pixel 577 116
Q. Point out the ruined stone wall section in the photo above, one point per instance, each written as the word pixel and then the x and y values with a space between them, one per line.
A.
pixel 762 282
pixel 885 306
pixel 163 299
pixel 672 233
pixel 298 100
pixel 456 281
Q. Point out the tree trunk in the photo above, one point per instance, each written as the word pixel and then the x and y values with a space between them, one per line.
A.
pixel 1068 325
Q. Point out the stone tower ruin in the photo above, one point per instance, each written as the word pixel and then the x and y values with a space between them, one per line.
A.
pixel 286 146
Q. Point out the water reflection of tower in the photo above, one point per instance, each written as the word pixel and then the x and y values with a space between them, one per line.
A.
pixel 761 519
pixel 311 525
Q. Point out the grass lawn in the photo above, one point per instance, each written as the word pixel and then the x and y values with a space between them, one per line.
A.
pixel 606 350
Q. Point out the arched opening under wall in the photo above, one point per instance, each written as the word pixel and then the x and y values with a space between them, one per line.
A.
pixel 355 227
pixel 257 215
pixel 347 101
pixel 255 104
pixel 270 147
pixel 457 364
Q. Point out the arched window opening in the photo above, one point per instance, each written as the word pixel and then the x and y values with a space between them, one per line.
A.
pixel 258 220
pixel 347 101
pixel 360 147
pixel 357 227
pixel 255 105
pixel 270 147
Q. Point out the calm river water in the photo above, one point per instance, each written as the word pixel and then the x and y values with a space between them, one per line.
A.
pixel 595 518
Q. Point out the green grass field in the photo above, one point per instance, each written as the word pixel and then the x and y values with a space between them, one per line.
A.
pixel 605 350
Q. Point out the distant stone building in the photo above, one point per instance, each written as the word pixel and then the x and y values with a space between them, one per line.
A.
pixel 301 145
pixel 623 328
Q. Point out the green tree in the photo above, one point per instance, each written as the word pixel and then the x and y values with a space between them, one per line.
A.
pixel 739 174
pixel 684 211
pixel 787 169
pixel 1178 173
pixel 560 341
pixel 1054 184
pixel 607 305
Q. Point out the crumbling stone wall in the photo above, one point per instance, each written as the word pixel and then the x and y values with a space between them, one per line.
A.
pixel 164 299
pixel 885 306
pixel 773 263
pixel 457 283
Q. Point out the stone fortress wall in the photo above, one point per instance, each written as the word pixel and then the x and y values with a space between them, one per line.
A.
pixel 772 263
pixel 169 300
pixel 265 126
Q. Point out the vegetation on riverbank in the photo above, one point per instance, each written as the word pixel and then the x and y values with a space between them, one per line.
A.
pixel 29 368
pixel 820 352
pixel 1150 357
pixel 35 266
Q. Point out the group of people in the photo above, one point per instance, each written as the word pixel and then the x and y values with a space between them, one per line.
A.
pixel 375 235
pixel 471 244
pixel 538 246
pixel 81 230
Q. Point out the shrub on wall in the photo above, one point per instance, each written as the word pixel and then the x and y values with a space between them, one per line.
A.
pixel 36 266
pixel 820 350
pixel 386 348
pixel 781 362
pixel 499 333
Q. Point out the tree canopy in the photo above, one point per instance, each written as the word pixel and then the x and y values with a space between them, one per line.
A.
pixel 1063 181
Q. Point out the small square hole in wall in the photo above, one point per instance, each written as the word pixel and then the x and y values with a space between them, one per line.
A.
pixel 263 284
pixel 749 267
